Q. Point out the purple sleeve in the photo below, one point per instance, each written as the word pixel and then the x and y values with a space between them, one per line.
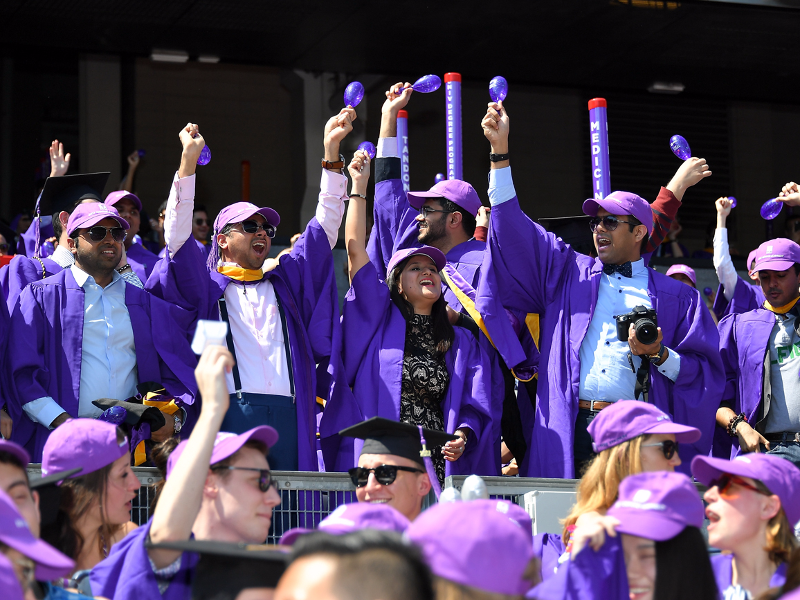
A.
pixel 729 354
pixel 746 297
pixel 30 375
pixel 394 225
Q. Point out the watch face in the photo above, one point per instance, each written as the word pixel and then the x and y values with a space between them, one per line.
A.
pixel 178 425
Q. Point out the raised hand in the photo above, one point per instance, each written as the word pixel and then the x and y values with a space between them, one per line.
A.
pixel 59 164
pixel 359 172
pixel 484 216
pixel 688 174
pixel 394 101
pixel 192 143
pixel 133 159
pixel 214 363
pixel 790 194
pixel 338 127
pixel 495 126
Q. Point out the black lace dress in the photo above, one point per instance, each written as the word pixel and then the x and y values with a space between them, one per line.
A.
pixel 425 381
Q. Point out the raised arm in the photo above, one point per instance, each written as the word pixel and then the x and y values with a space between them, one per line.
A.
pixel 355 230
pixel 133 164
pixel 180 205
pixel 726 273
pixel 183 492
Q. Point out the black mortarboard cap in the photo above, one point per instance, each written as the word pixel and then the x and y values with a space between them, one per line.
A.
pixel 136 412
pixel 573 230
pixel 60 193
pixel 50 494
pixel 226 569
pixel 384 436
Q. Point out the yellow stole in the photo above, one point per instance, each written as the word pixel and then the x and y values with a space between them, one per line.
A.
pixel 240 274
pixel 781 310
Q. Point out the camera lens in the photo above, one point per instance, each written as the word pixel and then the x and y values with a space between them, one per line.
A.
pixel 646 331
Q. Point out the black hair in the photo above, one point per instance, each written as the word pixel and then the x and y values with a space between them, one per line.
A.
pixel 443 332
pixel 683 569
pixel 633 223
pixel 7 458
pixel 162 207
pixel 370 564
pixel 467 218
pixel 796 268
pixel 199 208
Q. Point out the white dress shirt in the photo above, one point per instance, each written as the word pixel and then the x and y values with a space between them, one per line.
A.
pixel 726 272
pixel 108 354
pixel 255 322
pixel 62 257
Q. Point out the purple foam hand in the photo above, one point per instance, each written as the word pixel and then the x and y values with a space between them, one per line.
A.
pixel 115 415
pixel 369 148
pixel 498 89
pixel 439 177
pixel 353 94
pixel 771 209
pixel 425 84
pixel 680 147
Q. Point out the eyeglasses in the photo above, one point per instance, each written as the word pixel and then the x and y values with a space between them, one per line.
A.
pixel 265 480
pixel 254 226
pixel 200 222
pixel 726 480
pixel 609 222
pixel 98 233
pixel 668 447
pixel 427 210
pixel 385 474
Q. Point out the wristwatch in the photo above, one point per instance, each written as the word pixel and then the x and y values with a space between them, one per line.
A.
pixel 178 424
pixel 658 356
pixel 498 157
pixel 333 165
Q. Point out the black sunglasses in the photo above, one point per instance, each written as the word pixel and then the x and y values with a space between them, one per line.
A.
pixel 668 447
pixel 265 480
pixel 98 233
pixel 609 222
pixel 200 222
pixel 726 480
pixel 427 210
pixel 385 474
pixel 254 226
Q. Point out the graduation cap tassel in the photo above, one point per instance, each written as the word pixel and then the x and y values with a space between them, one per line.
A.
pixel 36 227
pixel 213 257
pixel 426 457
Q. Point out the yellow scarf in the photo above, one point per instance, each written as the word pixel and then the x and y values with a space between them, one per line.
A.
pixel 166 407
pixel 240 274
pixel 781 310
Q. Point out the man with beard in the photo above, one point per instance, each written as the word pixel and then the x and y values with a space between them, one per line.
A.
pixel 84 334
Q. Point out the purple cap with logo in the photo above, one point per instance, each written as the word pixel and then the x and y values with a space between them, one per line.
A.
pixel 14 532
pixel 683 270
pixel 780 476
pixel 352 517
pixel 471 543
pixel 434 254
pixel 91 213
pixel 9 583
pixel 86 443
pixel 657 505
pixel 236 213
pixel 750 258
pixel 622 203
pixel 779 254
pixel 15 450
pixel 627 419
pixel 120 195
pixel 227 444
pixel 457 191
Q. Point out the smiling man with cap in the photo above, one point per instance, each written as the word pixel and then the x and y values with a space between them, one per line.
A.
pixel 585 365
pixel 280 322
pixel 85 334
pixel 760 408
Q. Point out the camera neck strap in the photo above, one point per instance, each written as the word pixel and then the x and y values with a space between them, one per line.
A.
pixel 642 386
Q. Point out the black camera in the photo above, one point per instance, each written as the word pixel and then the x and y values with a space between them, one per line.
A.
pixel 645 324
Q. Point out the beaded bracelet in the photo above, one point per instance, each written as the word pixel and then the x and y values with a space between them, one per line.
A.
pixel 734 422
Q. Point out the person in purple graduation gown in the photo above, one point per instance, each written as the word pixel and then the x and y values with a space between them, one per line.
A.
pixel 648 546
pixel 734 295
pixel 584 366
pixel 84 334
pixel 218 487
pixel 760 351
pixel 281 322
pixel 400 358
pixel 753 503
pixel 140 258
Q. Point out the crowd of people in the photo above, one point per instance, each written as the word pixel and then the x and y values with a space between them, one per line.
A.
pixel 471 341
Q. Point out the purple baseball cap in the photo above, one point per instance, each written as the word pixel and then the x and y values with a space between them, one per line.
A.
pixel 227 444
pixel 15 450
pixel 115 197
pixel 750 258
pixel 9 581
pixel 352 517
pixel 780 476
pixel 657 505
pixel 88 444
pixel 627 419
pixel 472 543
pixel 91 213
pixel 434 254
pixel 457 191
pixel 683 270
pixel 14 532
pixel 779 254
pixel 241 211
pixel 622 203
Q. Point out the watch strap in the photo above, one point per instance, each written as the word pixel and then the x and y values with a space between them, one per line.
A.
pixel 498 157
pixel 326 164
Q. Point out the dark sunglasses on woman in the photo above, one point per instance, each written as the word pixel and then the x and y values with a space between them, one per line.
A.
pixel 668 447
pixel 98 233
pixel 385 474
pixel 265 480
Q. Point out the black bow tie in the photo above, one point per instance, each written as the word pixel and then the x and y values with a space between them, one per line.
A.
pixel 624 269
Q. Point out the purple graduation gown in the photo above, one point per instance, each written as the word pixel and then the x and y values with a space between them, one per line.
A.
pixel 47 329
pixel 367 366
pixel 745 297
pixel 304 283
pixel 529 269
pixel 743 341
pixel 548 548
pixel 722 565
pixel 127 575
pixel 21 271
pixel 141 260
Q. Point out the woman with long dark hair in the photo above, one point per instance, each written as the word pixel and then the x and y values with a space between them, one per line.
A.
pixel 401 359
